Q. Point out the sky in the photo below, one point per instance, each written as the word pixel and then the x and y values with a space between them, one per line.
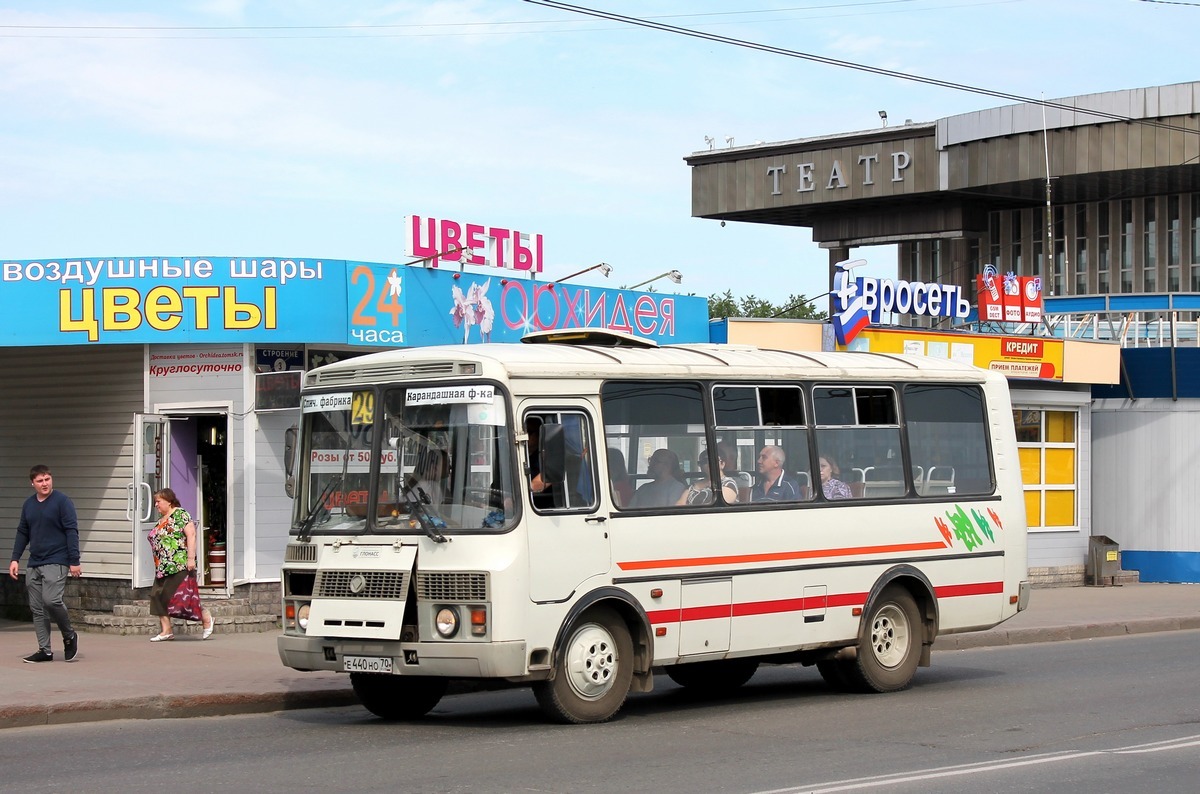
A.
pixel 310 129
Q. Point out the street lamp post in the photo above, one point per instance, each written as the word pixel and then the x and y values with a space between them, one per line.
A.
pixel 603 267
pixel 466 254
pixel 674 275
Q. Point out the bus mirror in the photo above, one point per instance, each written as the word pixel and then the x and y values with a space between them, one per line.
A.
pixel 289 461
pixel 552 453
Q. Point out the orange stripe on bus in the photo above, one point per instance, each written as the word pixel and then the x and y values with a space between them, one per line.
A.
pixel 779 556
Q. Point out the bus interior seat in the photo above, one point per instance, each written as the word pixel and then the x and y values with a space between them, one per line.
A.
pixel 745 483
pixel 858 489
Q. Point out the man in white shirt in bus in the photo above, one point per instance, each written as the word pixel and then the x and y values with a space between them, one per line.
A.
pixel 774 485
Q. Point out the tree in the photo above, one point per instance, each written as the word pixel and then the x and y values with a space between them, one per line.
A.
pixel 796 307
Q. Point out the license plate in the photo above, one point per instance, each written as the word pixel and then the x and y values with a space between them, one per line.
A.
pixel 367 664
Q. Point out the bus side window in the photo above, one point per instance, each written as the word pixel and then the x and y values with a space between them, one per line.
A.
pixel 561 474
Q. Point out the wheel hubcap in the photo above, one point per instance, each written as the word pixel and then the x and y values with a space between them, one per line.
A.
pixel 889 635
pixel 591 662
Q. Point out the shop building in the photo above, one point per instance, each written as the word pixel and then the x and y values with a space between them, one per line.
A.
pixel 126 375
pixel 1097 198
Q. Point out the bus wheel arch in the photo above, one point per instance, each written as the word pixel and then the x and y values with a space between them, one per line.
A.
pixel 921 590
pixel 601 654
pixel 899 624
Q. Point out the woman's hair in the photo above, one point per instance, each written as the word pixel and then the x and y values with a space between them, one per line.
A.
pixel 169 495
pixel 833 466
pixel 728 453
pixel 616 464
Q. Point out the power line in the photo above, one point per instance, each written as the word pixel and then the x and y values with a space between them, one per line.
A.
pixel 660 26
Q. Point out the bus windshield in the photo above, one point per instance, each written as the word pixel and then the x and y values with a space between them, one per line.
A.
pixel 335 468
pixel 447 459
pixel 443 461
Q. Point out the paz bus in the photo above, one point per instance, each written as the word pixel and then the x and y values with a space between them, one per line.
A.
pixel 549 514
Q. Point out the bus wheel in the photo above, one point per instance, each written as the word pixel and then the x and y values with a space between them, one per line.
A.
pixel 717 676
pixel 593 671
pixel 889 644
pixel 397 697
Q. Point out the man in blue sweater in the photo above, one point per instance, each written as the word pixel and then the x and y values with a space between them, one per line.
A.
pixel 50 529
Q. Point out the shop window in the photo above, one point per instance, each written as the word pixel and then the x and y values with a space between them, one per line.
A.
pixel 1049 467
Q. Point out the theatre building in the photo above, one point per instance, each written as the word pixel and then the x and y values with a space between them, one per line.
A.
pixel 1094 201
pixel 127 375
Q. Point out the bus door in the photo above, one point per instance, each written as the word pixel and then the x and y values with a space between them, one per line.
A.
pixel 568 539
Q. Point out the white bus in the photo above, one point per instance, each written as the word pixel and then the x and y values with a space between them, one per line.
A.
pixel 542 514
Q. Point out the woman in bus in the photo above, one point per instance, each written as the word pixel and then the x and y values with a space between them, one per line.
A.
pixel 700 492
pixel 832 487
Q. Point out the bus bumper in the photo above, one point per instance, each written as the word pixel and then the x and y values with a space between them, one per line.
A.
pixel 440 659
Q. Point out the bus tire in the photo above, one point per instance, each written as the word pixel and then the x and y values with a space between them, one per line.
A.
pixel 889 644
pixel 397 697
pixel 593 671
pixel 716 677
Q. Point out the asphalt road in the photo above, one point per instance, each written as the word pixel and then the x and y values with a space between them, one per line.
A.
pixel 1115 714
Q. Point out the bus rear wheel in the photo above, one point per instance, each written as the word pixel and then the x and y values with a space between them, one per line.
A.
pixel 593 672
pixel 397 697
pixel 889 644
pixel 718 676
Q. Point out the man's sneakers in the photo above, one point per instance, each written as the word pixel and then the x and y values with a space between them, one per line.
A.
pixel 70 651
pixel 71 647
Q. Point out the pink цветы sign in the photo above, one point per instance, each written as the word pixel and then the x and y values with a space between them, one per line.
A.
pixel 442 240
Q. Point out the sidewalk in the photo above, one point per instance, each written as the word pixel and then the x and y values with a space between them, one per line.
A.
pixel 127 677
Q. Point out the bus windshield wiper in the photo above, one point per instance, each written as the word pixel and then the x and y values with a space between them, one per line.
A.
pixel 416 499
pixel 318 510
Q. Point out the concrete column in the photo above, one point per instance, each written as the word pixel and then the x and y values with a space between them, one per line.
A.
pixel 835 255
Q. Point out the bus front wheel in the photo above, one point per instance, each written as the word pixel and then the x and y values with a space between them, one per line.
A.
pixel 593 672
pixel 397 697
pixel 889 644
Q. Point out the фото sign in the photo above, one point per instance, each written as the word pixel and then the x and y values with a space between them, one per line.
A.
pixel 1013 299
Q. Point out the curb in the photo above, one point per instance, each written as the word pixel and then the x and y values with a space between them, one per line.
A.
pixel 172 707
pixel 1077 631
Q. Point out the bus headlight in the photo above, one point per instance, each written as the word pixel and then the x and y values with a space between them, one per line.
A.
pixel 302 618
pixel 446 622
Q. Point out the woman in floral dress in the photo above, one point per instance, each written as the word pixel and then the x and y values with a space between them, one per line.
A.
pixel 173 541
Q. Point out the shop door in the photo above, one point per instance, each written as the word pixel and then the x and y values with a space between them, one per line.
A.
pixel 150 474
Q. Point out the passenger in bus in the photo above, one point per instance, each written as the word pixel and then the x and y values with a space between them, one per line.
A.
pixel 832 487
pixel 618 475
pixel 700 491
pixel 667 485
pixel 774 484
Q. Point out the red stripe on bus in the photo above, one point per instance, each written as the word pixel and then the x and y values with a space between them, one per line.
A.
pixel 979 588
pixel 779 556
pixel 784 605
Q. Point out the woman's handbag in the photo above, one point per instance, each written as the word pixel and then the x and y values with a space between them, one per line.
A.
pixel 185 604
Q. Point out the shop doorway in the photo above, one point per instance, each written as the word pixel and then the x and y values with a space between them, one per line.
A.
pixel 188 453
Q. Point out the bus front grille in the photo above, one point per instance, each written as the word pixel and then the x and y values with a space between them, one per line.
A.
pixel 300 552
pixel 360 584
pixel 452 586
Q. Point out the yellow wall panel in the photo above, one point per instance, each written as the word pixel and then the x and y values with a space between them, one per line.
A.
pixel 1031 466
pixel 1033 508
pixel 1060 508
pixel 1060 467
